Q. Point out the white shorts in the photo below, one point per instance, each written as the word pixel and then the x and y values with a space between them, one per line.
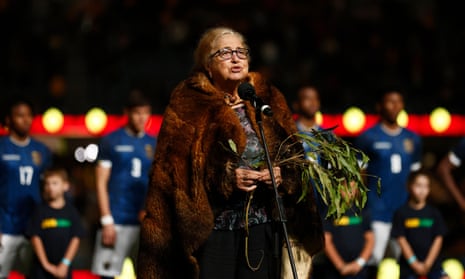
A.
pixel 15 252
pixel 384 245
pixel 108 261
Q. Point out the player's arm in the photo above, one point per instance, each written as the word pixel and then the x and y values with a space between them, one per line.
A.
pixel 332 253
pixel 361 143
pixel 417 154
pixel 63 267
pixel 444 170
pixel 39 250
pixel 102 175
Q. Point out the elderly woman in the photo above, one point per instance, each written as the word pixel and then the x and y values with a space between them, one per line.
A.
pixel 210 207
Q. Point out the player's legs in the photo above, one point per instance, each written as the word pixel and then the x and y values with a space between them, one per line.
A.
pixel 382 232
pixel 9 252
pixel 134 250
pixel 393 249
pixel 108 261
pixel 25 257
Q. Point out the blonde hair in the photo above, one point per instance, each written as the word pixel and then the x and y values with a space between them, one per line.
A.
pixel 207 43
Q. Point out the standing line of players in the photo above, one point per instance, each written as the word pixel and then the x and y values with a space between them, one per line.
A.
pixel 55 230
pixel 22 161
pixel 122 171
pixel 356 244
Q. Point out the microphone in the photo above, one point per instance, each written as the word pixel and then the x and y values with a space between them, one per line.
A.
pixel 247 92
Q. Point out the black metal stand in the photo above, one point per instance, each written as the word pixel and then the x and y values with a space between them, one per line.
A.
pixel 279 202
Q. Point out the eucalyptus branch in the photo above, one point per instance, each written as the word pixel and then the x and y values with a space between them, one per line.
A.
pixel 333 168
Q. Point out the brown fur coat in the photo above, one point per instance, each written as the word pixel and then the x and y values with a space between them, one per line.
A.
pixel 191 165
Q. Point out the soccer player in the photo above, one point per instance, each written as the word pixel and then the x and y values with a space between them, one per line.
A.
pixel 125 157
pixel 394 152
pixel 22 160
pixel 306 106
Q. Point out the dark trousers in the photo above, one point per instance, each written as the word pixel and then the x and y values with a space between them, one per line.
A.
pixel 223 255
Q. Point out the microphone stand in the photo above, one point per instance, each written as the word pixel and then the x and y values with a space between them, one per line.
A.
pixel 279 202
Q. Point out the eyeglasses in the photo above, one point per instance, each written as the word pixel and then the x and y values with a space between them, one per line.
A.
pixel 227 53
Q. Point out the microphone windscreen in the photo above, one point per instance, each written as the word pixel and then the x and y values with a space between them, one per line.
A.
pixel 246 91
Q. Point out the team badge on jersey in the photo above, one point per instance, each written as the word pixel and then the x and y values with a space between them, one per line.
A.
pixel 408 145
pixel 148 151
pixel 36 158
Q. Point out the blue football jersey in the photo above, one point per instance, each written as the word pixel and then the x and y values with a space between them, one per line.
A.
pixel 130 158
pixel 20 170
pixel 309 152
pixel 392 157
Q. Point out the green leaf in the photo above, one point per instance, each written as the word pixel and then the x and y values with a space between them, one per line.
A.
pixel 232 145
pixel 341 184
pixel 339 181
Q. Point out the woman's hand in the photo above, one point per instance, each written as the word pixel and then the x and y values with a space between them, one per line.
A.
pixel 266 176
pixel 247 180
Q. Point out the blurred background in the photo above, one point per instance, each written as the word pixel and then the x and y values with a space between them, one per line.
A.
pixel 78 54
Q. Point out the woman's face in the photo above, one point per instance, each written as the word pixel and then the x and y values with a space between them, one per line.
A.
pixel 227 68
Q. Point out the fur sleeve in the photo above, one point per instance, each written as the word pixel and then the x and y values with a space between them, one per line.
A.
pixel 178 215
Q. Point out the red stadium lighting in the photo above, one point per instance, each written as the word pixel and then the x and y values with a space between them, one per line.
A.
pixel 319 118
pixel 74 125
pixel 402 119
pixel 440 120
pixel 52 120
pixel 353 120
pixel 96 120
